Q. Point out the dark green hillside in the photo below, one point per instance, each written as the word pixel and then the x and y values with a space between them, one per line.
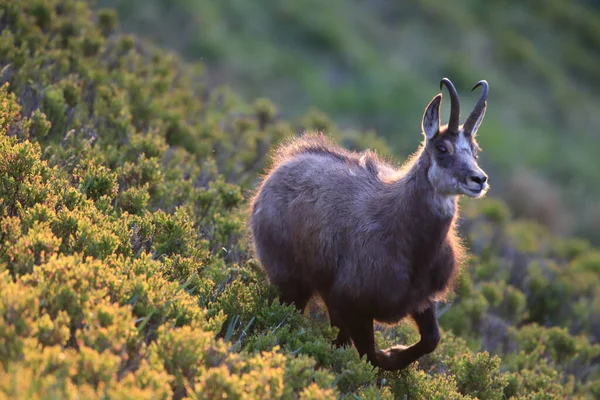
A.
pixel 124 270
pixel 374 65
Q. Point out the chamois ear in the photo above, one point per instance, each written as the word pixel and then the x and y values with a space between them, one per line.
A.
pixel 431 117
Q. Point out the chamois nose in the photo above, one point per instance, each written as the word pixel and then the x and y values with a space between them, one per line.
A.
pixel 480 179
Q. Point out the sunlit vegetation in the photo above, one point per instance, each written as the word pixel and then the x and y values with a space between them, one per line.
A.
pixel 125 269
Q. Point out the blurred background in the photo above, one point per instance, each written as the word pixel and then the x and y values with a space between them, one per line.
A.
pixel 373 65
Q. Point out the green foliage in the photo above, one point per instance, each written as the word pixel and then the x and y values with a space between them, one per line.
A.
pixel 125 269
pixel 375 65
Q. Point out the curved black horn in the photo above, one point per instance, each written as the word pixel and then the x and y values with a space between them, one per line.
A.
pixel 454 105
pixel 479 106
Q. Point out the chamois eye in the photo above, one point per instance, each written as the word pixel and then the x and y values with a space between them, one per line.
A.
pixel 441 148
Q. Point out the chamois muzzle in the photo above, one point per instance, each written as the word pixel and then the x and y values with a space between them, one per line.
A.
pixel 476 183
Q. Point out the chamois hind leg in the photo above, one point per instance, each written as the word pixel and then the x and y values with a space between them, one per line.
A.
pixel 286 277
pixel 399 357
pixel 294 292
pixel 336 319
pixel 360 328
pixel 343 338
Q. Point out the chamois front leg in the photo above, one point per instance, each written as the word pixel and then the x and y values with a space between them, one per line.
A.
pixel 399 357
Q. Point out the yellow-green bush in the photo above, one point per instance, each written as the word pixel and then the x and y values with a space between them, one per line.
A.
pixel 125 270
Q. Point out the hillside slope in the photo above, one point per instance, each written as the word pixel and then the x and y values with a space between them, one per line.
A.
pixel 124 270
pixel 374 64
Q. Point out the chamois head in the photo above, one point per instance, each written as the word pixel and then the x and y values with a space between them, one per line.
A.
pixel 452 148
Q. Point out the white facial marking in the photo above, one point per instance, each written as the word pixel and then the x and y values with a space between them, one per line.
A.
pixel 462 144
pixel 444 184
pixel 258 210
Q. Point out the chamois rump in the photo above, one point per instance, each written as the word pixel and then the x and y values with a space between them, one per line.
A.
pixel 375 242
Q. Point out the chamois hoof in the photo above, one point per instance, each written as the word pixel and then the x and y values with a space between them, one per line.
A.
pixel 393 359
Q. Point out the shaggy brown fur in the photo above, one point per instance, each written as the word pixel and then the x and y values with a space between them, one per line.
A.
pixel 374 242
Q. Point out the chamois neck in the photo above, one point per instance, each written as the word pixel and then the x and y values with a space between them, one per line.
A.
pixel 414 193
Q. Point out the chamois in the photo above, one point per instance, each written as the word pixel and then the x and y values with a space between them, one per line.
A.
pixel 375 242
